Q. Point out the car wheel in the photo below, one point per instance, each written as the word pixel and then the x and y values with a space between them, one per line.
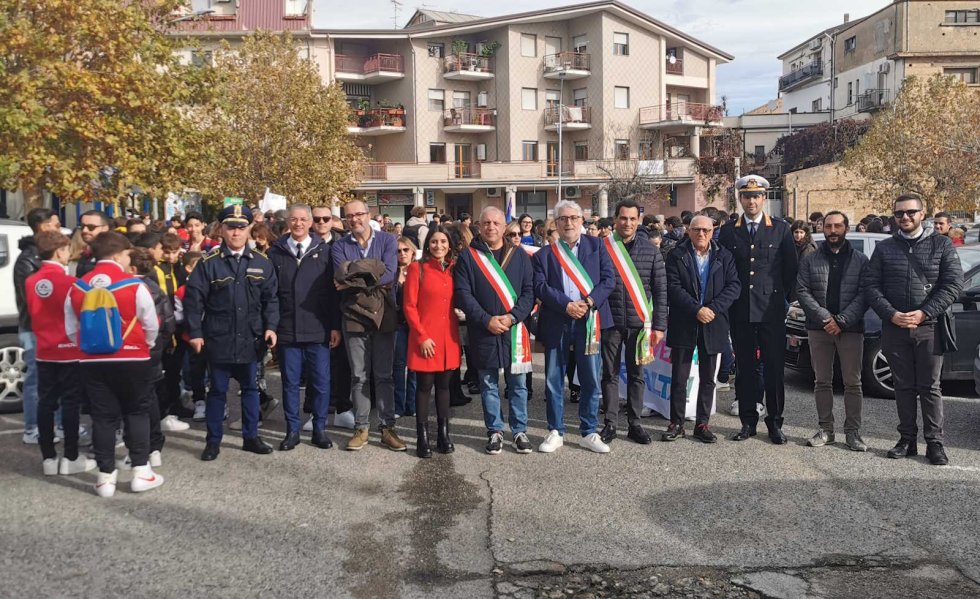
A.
pixel 13 371
pixel 876 373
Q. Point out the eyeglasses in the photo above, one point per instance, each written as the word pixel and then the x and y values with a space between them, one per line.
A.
pixel 513 235
pixel 322 219
pixel 404 250
pixel 911 212
pixel 700 230
pixel 90 227
pixel 574 218
pixel 298 219
pixel 527 222
pixel 353 215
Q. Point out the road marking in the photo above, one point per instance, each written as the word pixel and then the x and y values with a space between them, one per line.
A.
pixel 12 432
pixel 964 468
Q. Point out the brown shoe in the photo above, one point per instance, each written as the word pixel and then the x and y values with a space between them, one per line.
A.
pixel 359 440
pixel 390 439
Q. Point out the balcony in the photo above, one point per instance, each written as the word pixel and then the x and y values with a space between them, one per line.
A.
pixel 468 120
pixel 468 66
pixel 375 69
pixel 464 170
pixel 573 118
pixel 676 67
pixel 873 100
pixel 374 171
pixel 567 66
pixel 684 114
pixel 801 75
pixel 567 168
pixel 377 121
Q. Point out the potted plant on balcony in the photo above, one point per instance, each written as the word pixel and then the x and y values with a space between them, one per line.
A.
pixel 489 49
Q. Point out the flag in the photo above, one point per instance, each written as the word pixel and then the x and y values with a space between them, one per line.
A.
pixel 509 212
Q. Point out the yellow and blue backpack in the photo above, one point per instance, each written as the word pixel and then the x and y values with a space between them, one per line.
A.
pixel 99 322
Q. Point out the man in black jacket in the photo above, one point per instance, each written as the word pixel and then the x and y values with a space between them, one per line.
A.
pixel 91 224
pixel 702 283
pixel 828 288
pixel 912 280
pixel 640 279
pixel 765 257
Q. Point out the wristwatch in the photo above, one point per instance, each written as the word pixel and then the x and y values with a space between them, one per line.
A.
pixel 588 300
pixel 513 319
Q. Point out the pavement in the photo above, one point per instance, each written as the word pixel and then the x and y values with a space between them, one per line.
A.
pixel 731 519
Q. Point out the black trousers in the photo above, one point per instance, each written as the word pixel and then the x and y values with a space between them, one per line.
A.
pixel 57 384
pixel 917 372
pixel 340 380
pixel 169 389
pixel 114 389
pixel 613 340
pixel 769 338
pixel 681 359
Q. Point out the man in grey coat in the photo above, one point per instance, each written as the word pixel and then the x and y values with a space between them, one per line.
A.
pixel 829 291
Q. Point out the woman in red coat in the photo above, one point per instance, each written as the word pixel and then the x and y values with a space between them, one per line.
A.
pixel 433 335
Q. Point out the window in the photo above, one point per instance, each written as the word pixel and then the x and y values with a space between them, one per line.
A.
pixel 580 97
pixel 622 149
pixel 835 82
pixel 817 105
pixel 760 154
pixel 461 99
pixel 529 98
pixel 201 59
pixel 646 150
pixel 968 75
pixel 437 99
pixel 621 97
pixel 437 50
pixel 962 16
pixel 552 45
pixel 581 150
pixel 529 151
pixel 481 152
pixel 437 153
pixel 551 97
pixel 580 44
pixel 534 203
pixel 295 8
pixel 850 44
pixel 850 93
pixel 621 44
pixel 529 45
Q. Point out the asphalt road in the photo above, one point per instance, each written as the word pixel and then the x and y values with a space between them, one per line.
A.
pixel 788 521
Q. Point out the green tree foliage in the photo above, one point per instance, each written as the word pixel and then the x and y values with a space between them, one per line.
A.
pixel 928 142
pixel 272 122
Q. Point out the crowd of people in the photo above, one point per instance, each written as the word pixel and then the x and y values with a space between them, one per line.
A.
pixel 369 314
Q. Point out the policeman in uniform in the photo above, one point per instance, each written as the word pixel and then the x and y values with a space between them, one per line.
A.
pixel 765 258
pixel 232 312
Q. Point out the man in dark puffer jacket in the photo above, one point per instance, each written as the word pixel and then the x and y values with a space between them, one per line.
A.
pixel 909 307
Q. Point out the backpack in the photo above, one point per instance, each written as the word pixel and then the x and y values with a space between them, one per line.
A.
pixel 412 232
pixel 99 322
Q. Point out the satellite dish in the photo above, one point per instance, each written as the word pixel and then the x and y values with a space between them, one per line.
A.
pixel 672 59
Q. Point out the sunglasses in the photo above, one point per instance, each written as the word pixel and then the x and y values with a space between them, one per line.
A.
pixel 90 227
pixel 513 235
pixel 404 250
pixel 321 219
pixel 900 214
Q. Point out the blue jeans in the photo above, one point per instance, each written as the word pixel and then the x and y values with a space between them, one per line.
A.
pixel 314 358
pixel 516 400
pixel 214 410
pixel 29 343
pixel 404 379
pixel 588 368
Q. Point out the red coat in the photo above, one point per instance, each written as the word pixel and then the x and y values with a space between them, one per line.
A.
pixel 47 291
pixel 430 315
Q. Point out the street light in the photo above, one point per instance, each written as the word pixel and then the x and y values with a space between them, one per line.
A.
pixel 561 118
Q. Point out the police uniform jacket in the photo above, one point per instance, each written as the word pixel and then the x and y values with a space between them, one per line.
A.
pixel 308 300
pixel 766 267
pixel 230 303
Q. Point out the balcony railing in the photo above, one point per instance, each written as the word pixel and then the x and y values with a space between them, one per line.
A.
pixel 468 116
pixel 468 61
pixel 379 117
pixel 568 61
pixel 567 168
pixel 676 67
pixel 374 171
pixel 375 63
pixel 465 170
pixel 873 99
pixel 814 69
pixel 681 112
pixel 569 115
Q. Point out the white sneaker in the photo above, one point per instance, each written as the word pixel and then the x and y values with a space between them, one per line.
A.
pixel 105 485
pixel 646 412
pixel 173 424
pixel 344 419
pixel 33 437
pixel 199 415
pixel 761 408
pixel 720 386
pixel 187 398
pixel 308 426
pixel 156 459
pixel 144 479
pixel 84 436
pixel 552 442
pixel 120 439
pixel 593 442
pixel 76 466
pixel 50 466
pixel 733 410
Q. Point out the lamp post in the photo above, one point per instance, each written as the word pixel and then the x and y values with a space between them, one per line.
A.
pixel 561 119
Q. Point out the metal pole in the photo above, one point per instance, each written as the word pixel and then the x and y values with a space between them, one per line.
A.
pixel 561 118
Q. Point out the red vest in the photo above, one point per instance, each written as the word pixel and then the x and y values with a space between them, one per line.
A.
pixel 47 291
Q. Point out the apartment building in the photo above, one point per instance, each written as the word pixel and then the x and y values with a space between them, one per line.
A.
pixel 455 112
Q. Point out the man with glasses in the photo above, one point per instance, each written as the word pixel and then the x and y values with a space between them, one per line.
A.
pixel 91 224
pixel 370 350
pixel 573 279
pixel 911 281
pixel 765 257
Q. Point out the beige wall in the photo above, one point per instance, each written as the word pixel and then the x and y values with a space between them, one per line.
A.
pixel 928 34
pixel 824 188
pixel 877 37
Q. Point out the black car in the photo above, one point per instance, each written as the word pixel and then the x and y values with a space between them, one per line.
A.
pixel 876 375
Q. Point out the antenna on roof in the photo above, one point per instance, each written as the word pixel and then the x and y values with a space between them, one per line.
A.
pixel 396 6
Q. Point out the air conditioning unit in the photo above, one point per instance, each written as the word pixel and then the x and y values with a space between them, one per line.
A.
pixel 482 99
pixel 493 192
pixel 885 67
pixel 572 192
pixel 815 44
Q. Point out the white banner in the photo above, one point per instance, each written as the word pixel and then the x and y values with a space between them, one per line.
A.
pixel 272 201
pixel 657 377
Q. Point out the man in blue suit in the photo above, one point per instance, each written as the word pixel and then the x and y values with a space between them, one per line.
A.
pixel 573 279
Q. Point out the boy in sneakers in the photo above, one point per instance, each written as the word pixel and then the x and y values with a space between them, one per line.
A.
pixel 57 356
pixel 116 383
pixel 196 370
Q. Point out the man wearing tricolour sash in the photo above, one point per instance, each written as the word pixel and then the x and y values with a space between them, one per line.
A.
pixel 573 279
pixel 639 318
pixel 493 284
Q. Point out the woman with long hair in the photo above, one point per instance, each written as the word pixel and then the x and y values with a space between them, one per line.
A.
pixel 433 335
pixel 404 379
pixel 804 241
pixel 528 237
pixel 262 237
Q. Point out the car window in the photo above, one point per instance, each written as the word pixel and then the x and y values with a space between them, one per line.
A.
pixel 968 257
pixel 858 244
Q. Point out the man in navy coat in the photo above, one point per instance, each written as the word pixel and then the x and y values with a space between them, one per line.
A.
pixel 574 307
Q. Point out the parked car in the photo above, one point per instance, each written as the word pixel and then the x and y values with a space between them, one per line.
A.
pixel 876 375
pixel 12 367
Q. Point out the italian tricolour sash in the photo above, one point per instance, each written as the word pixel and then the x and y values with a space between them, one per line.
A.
pixel 577 273
pixel 520 339
pixel 634 286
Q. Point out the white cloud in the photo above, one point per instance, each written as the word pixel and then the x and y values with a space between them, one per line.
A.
pixel 754 31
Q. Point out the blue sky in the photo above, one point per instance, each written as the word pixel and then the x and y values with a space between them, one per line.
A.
pixel 754 31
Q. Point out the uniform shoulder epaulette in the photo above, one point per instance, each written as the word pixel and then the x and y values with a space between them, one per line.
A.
pixel 255 251
pixel 211 253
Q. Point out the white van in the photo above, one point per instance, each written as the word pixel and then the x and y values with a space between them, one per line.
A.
pixel 12 365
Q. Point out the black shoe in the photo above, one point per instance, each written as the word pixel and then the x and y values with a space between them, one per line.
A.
pixel 573 395
pixel 608 433
pixel 473 388
pixel 936 453
pixel 422 448
pixel 459 399
pixel 210 453
pixel 777 437
pixel 746 432
pixel 636 434
pixel 257 445
pixel 321 440
pixel 290 442
pixel 443 443
pixel 673 431
pixel 182 412
pixel 703 434
pixel 495 442
pixel 904 448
